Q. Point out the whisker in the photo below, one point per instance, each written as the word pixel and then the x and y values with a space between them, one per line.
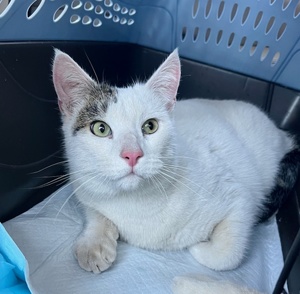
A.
pixel 57 180
pixel 96 76
pixel 92 198
pixel 56 193
pixel 187 179
pixel 162 175
pixel 159 186
pixel 49 166
pixel 51 176
pixel 182 168
pixel 51 197
pixel 182 183
pixel 180 156
pixel 73 193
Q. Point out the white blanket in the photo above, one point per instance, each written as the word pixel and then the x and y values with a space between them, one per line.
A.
pixel 46 233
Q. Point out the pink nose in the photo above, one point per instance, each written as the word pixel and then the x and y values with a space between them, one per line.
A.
pixel 132 156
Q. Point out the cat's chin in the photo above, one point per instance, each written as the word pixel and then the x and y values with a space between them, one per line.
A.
pixel 130 182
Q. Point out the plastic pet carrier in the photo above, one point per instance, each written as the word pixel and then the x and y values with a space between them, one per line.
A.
pixel 230 49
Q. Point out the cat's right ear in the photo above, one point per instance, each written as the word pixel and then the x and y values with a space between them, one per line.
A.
pixel 165 80
pixel 70 81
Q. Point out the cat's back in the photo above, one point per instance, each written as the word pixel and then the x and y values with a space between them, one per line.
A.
pixel 219 120
pixel 232 111
pixel 222 119
pixel 237 132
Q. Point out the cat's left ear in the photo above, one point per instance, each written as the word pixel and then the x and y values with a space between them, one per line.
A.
pixel 165 80
pixel 70 82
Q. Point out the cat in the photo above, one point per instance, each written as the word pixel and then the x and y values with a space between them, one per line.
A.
pixel 163 174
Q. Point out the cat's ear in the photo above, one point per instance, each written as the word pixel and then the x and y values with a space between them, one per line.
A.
pixel 165 80
pixel 70 82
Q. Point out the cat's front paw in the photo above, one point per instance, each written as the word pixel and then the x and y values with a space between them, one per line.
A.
pixel 97 254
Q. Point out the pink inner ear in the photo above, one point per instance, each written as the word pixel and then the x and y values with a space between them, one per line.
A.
pixel 69 80
pixel 165 80
pixel 59 82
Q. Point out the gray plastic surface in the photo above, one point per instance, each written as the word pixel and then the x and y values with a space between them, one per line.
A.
pixel 259 38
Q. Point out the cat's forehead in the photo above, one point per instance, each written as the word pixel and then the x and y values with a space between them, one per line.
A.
pixel 134 102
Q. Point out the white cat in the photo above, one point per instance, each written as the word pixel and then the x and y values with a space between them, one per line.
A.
pixel 163 176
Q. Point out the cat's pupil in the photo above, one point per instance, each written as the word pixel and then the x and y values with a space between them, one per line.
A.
pixel 150 125
pixel 102 128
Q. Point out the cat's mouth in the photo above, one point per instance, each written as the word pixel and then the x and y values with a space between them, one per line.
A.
pixel 133 174
pixel 130 181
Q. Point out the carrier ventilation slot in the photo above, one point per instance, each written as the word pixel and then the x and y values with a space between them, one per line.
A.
pixel 264 53
pixel 281 31
pixel 183 33
pixel 253 48
pixel 196 34
pixel 285 4
pixel 208 8
pixel 75 19
pixel 34 8
pixel 297 10
pixel 258 20
pixel 76 4
pixel 233 12
pixel 207 35
pixel 219 37
pixel 88 6
pixel 243 43
pixel 87 13
pixel 84 12
pixel 86 20
pixel 59 13
pixel 245 15
pixel 195 8
pixel 221 9
pixel 230 40
pixel 270 24
pixel 5 6
pixel 202 32
pixel 99 9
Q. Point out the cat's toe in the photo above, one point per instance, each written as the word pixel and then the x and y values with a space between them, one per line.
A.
pixel 96 257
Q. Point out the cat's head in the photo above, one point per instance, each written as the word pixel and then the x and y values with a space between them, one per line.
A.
pixel 116 137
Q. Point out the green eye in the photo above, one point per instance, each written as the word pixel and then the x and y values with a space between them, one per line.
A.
pixel 100 129
pixel 150 126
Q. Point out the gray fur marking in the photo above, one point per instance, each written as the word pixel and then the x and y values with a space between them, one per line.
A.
pixel 285 182
pixel 98 97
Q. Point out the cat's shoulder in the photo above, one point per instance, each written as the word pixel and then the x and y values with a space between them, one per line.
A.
pixel 217 104
pixel 230 110
pixel 222 109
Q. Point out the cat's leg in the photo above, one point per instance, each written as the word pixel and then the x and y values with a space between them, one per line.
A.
pixel 228 242
pixel 96 246
pixel 207 285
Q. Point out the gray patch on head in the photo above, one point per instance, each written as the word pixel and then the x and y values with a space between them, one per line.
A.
pixel 98 97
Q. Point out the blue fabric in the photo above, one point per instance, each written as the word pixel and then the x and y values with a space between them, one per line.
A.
pixel 13 266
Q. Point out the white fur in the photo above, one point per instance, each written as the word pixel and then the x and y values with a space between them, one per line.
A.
pixel 206 285
pixel 199 185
